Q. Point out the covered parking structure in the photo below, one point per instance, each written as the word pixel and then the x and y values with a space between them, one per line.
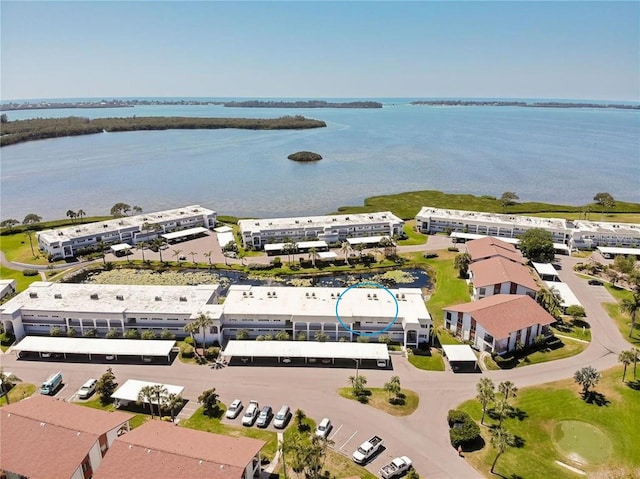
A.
pixel 120 249
pixel 182 235
pixel 611 252
pixel 92 348
pixel 546 271
pixel 567 297
pixel 366 240
pixel 310 351
pixel 461 357
pixel 129 392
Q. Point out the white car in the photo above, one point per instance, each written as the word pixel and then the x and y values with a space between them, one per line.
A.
pixel 87 389
pixel 381 363
pixel 234 409
pixel 251 413
pixel 323 428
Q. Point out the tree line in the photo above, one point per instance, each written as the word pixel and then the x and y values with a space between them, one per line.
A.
pixel 20 131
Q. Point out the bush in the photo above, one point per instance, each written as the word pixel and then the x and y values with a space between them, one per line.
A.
pixel 464 430
pixel 187 351
pixel 277 262
pixel 430 255
pixel 148 334
pixel 260 267
pixel 113 333
pixel 452 248
pixel 189 340
pixel 90 333
pixel 166 334
pixel 7 339
pixel 55 331
pixel 212 353
pixel 131 334
pixel 30 272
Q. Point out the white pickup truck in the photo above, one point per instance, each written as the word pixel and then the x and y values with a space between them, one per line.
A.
pixel 367 449
pixel 396 468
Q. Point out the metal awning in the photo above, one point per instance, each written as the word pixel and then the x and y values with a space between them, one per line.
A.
pixel 461 352
pixel 120 247
pixel 131 388
pixel 183 233
pixel 306 349
pixel 366 240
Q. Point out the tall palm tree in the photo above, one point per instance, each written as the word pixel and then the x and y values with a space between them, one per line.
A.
pixel 173 402
pixel 501 440
pixel 626 358
pixel 360 248
pixel 508 389
pixel 72 214
pixel 7 381
pixel 376 252
pixel 208 256
pixel 204 322
pixel 141 246
pixel 313 255
pixel 146 395
pixel 550 300
pixel 176 254
pixel 209 401
pixel 631 306
pixel 587 378
pixel 501 408
pixel 192 327
pixel 29 234
pixel 193 257
pixel 158 243
pixel 159 394
pixel 345 248
pixel 486 394
pixel 81 214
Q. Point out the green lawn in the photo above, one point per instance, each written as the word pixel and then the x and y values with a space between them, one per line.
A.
pixel 22 281
pixel 407 205
pixel 413 236
pixel 134 422
pixel 567 348
pixel 204 423
pixel 18 393
pixel 542 408
pixel 379 399
pixel 622 320
pixel 578 329
pixel 432 362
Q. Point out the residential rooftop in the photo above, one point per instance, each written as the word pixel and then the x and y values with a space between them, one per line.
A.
pixel 495 218
pixel 488 247
pixel 317 221
pixel 498 270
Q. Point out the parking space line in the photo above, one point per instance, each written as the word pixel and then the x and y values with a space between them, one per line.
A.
pixel 347 441
pixel 335 432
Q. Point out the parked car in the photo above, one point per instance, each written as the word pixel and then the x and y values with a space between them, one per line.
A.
pixel 396 468
pixel 595 282
pixel 265 417
pixel 381 363
pixel 234 409
pixel 323 428
pixel 251 413
pixel 87 389
pixel 281 419
pixel 286 360
pixel 367 450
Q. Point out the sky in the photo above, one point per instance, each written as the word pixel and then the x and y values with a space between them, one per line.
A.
pixel 306 49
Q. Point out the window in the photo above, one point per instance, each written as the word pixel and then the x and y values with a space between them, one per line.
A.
pixel 482 291
pixel 488 338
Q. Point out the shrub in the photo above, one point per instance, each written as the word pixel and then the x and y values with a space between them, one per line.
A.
pixel 7 339
pixel 452 248
pixel 71 332
pixel 277 262
pixel 211 353
pixel 55 331
pixel 131 334
pixel 189 340
pixel 148 334
pixel 187 351
pixel 464 430
pixel 90 333
pixel 260 267
pixel 301 337
pixel 363 339
pixel 166 334
pixel 30 272
pixel 430 255
pixel 260 337
pixel 113 333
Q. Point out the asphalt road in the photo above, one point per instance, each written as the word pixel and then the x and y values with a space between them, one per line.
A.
pixel 422 436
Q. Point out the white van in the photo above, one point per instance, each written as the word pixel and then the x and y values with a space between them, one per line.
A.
pixel 87 389
pixel 323 428
pixel 282 417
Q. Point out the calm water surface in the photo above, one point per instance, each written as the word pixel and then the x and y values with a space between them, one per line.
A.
pixel 553 155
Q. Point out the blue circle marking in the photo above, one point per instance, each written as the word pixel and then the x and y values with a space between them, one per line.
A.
pixel 359 285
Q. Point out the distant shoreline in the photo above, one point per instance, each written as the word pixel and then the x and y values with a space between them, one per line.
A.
pixel 523 104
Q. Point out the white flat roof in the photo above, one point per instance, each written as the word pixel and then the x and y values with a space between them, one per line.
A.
pixel 224 238
pixel 366 239
pixel 546 269
pixel 311 244
pixel 472 236
pixel 462 352
pixel 561 246
pixel 223 229
pixel 327 255
pixel 120 247
pixel 494 218
pixel 119 347
pixel 625 251
pixel 131 388
pixel 274 247
pixel 568 298
pixel 306 349
pixel 183 233
pixel 257 225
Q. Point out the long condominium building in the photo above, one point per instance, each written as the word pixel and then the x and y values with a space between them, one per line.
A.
pixel 260 310
pixel 332 228
pixel 65 242
pixel 575 234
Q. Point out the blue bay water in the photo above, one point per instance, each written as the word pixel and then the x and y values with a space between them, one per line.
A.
pixel 551 155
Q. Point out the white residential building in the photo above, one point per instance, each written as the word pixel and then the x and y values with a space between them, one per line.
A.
pixel 498 275
pixel 65 242
pixel 591 234
pixel 7 287
pixel 258 309
pixel 258 232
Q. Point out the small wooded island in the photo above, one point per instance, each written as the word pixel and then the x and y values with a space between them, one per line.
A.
pixel 19 131
pixel 548 104
pixel 302 104
pixel 304 156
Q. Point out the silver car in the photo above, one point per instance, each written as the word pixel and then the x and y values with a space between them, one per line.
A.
pixel 265 417
pixel 234 409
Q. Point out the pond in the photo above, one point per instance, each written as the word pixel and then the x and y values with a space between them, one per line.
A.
pixel 398 278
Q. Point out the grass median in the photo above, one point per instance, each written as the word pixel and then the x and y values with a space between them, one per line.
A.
pixel 379 399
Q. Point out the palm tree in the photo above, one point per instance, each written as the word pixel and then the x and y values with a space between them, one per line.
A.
pixel 550 300
pixel 289 248
pixel 300 416
pixel 461 263
pixel 392 387
pixel 173 402
pixel 193 257
pixel 208 256
pixel 159 393
pixel 360 248
pixel 29 234
pixel 508 389
pixel 192 327
pixel 626 358
pixel 376 251
pixel 141 246
pixel 7 381
pixel 388 245
pixel 631 306
pixel 71 214
pixel 101 245
pixel 209 401
pixel 80 214
pixel 486 394
pixel 146 395
pixel 313 255
pixel 345 248
pixel 587 378
pixel 158 243
pixel 501 440
pixel 501 408
pixel 176 254
pixel 204 322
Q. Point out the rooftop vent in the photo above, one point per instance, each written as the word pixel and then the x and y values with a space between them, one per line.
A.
pixel 256 224
pixel 273 293
pixel 297 222
pixel 78 230
pixel 183 299
pixel 57 296
pixel 244 294
pixel 251 294
pixel 313 295
pixel 268 294
pixel 306 294
pixel 33 295
pixel 158 298
pixel 309 221
pixel 119 297
pixel 60 233
pixel 375 296
pixel 105 226
pixel 347 218
pixel 403 296
pixel 94 296
pixel 370 217
pixel 369 295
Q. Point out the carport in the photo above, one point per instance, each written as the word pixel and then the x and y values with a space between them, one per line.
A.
pixel 131 348
pixel 612 251
pixel 129 392
pixel 306 350
pixel 120 249
pixel 177 235
pixel 546 271
pixel 461 357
